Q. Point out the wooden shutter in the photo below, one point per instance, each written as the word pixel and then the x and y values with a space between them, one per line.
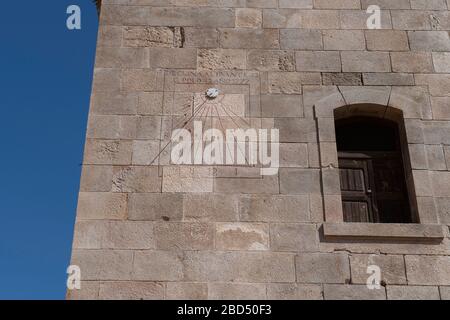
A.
pixel 356 177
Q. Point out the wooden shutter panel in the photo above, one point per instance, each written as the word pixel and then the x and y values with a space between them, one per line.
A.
pixel 357 192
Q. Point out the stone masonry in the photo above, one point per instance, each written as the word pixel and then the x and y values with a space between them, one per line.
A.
pixel 148 229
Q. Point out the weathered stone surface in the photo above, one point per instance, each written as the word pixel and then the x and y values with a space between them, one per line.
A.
pixel 136 179
pixel 155 207
pixel 441 62
pixel 299 181
pixel 387 40
pixel 428 270
pixel 239 266
pixel 392 268
pixel 300 39
pixel 184 236
pixel 429 40
pixel 248 18
pixel 221 59
pixel 357 61
pixel 236 291
pixel 445 293
pixel 352 292
pixel 187 179
pixel 274 208
pixel 342 79
pixel 157 266
pixel 323 61
pixel 131 291
pixel 249 38
pixel 293 155
pixel 294 291
pixel 412 293
pixel 344 40
pixel 111 127
pixel 152 37
pixel 271 60
pixel 210 207
pixel 293 237
pixel 96 178
pixel 104 264
pixel 290 82
pixel 242 236
pixel 102 206
pixel 114 235
pixel 322 268
pixel 284 106
pixel 89 291
pixel 411 62
pixel 142 80
pixel 186 291
pixel 296 130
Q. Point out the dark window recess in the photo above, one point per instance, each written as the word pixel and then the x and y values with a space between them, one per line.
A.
pixel 372 174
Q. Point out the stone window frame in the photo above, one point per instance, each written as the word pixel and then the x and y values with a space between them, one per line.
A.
pixel 394 106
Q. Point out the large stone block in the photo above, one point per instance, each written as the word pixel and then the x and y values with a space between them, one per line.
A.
pixel 299 181
pixel 104 264
pixel 142 80
pixel 271 60
pixel 98 205
pixel 283 106
pixel 293 237
pixel 184 236
pixel 322 268
pixel 173 58
pixel 248 267
pixel 130 290
pixel 352 292
pixel 96 178
pixel 274 208
pixel 387 40
pixel 429 40
pixel 344 40
pixel 412 293
pixel 156 206
pixel 188 179
pixel 157 266
pixel 210 207
pixel 293 155
pixel 248 18
pixel 418 62
pixel 301 39
pixel 221 59
pixel 122 58
pixel 242 236
pixel 428 270
pixel 186 291
pixel 296 130
pixel 289 82
pixel 114 235
pixel 392 268
pixel 323 61
pixel 152 37
pixel 111 127
pixel 236 291
pixel 136 179
pixel 249 38
pixel 114 103
pixel 283 291
pixel 261 185
pixel 357 61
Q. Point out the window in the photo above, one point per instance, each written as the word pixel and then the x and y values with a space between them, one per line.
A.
pixel 372 171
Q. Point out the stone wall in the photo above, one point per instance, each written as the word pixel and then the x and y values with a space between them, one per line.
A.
pixel 147 229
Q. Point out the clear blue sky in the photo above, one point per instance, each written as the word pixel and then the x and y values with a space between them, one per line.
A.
pixel 45 83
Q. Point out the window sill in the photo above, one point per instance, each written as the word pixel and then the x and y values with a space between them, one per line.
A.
pixel 373 231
